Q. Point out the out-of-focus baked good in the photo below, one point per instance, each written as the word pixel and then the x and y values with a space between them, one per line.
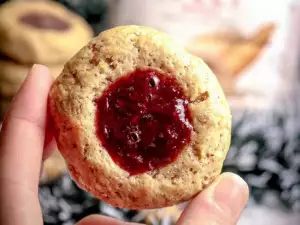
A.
pixel 41 32
pixel 12 75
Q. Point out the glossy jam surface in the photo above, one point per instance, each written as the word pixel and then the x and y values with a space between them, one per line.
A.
pixel 143 121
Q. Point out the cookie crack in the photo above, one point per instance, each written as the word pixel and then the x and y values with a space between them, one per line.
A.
pixel 201 98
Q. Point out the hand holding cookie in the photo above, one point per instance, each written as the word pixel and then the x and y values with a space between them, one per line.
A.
pixel 21 156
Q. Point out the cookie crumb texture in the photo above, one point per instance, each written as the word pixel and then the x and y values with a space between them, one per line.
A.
pixel 203 121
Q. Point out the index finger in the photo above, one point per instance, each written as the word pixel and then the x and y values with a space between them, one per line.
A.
pixel 23 131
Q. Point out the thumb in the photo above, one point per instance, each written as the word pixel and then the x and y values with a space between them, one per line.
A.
pixel 220 204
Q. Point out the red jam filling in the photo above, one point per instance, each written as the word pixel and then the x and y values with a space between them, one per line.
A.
pixel 143 121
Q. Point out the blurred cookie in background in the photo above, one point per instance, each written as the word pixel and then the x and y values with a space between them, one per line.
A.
pixel 4 104
pixel 41 32
pixel 95 12
pixel 31 32
pixel 12 75
pixel 53 167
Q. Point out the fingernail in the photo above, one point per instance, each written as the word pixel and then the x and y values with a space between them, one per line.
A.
pixel 37 70
pixel 39 67
pixel 231 194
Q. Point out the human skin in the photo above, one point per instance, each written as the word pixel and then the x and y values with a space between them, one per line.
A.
pixel 24 144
